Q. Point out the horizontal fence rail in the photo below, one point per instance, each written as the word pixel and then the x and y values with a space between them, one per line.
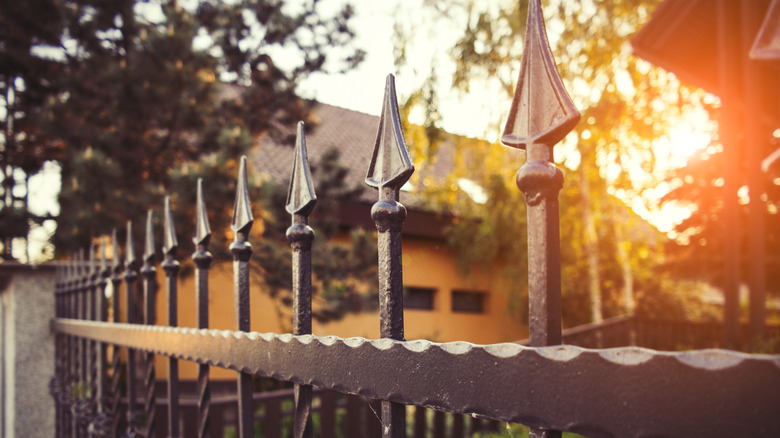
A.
pixel 612 393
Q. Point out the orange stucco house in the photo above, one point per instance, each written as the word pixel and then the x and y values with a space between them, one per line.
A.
pixel 441 303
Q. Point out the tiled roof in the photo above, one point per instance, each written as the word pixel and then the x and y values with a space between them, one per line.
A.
pixel 351 132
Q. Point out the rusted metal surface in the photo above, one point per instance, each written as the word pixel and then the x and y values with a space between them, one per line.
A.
pixel 242 250
pixel 389 170
pixel 542 113
pixel 619 392
pixel 202 258
pixel 171 267
pixel 300 202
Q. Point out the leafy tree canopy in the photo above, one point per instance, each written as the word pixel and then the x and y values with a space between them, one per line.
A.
pixel 612 259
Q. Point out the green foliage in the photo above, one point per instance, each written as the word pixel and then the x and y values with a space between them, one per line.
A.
pixel 609 156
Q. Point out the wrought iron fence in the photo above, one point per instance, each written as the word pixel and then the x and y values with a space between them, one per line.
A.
pixel 619 392
pixel 665 334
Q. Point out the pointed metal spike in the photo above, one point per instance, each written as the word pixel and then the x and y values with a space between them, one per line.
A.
pixel 391 166
pixel 129 248
pixel 80 263
pixel 202 229
pixel 149 241
pixel 542 111
pixel 170 243
pixel 242 210
pixel 70 272
pixel 301 197
pixel 92 267
pixel 115 262
pixel 103 264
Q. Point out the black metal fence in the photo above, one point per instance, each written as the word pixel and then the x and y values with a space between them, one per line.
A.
pixel 666 335
pixel 620 392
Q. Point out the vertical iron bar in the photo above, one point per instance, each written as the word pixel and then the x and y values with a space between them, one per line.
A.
pixel 54 384
pixel 70 345
pixel 149 273
pixel 91 384
pixel 242 251
pixel 171 267
pixel 80 404
pixel 202 258
pixel 300 202
pixel 100 423
pixel 389 170
pixel 727 61
pixel 116 378
pixel 130 276
pixel 542 113
pixel 756 139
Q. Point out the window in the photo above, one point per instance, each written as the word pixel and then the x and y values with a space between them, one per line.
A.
pixel 468 301
pixel 420 298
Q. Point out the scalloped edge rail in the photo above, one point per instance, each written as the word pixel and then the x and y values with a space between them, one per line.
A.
pixel 619 392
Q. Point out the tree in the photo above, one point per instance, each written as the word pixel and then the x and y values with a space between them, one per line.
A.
pixel 610 153
pixel 700 185
pixel 129 91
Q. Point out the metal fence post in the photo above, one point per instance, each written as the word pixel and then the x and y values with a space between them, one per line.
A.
pixel 130 276
pixel 171 267
pixel 202 258
pixel 542 113
pixel 100 421
pixel 390 168
pixel 300 202
pixel 149 273
pixel 80 405
pixel 116 378
pixel 242 250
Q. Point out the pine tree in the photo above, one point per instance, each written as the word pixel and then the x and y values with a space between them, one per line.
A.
pixel 129 93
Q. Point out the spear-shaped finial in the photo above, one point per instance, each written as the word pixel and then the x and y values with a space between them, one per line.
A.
pixel 390 168
pixel 300 201
pixel 391 165
pixel 301 197
pixel 80 264
pixel 103 264
pixel 149 241
pixel 116 264
pixel 542 111
pixel 130 247
pixel 70 268
pixel 170 243
pixel 242 251
pixel 202 229
pixel 242 210
pixel 92 267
